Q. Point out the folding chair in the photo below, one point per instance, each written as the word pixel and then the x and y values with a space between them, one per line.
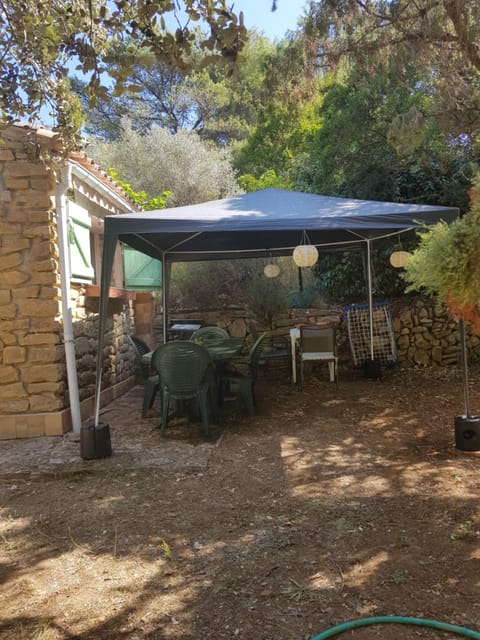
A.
pixel 318 344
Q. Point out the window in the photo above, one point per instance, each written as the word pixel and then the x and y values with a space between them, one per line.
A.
pixel 142 273
pixel 79 223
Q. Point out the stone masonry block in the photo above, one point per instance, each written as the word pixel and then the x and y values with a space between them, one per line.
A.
pixel 46 184
pixel 13 278
pixel 25 168
pixel 39 231
pixel 19 324
pixel 14 406
pixel 14 355
pixel 45 325
pixel 10 261
pixel 43 403
pixel 6 155
pixel 41 309
pixel 30 427
pixel 39 266
pixel 5 296
pixel 49 278
pixel 58 388
pixel 7 228
pixel 16 183
pixel 14 246
pixel 45 353
pixel 8 375
pixel 12 391
pixel 38 338
pixel 8 311
pixel 42 373
pixel 40 216
pixel 50 293
pixel 42 249
pixel 8 429
pixel 31 199
pixel 31 291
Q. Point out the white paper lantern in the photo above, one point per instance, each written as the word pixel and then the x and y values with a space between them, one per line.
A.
pixel 271 270
pixel 399 259
pixel 305 255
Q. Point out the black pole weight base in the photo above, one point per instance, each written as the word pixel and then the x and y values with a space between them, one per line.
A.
pixel 95 441
pixel 467 433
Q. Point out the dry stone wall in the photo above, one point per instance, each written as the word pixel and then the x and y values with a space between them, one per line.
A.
pixel 425 333
pixel 118 358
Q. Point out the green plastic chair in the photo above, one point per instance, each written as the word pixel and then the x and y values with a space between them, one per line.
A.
pixel 204 334
pixel 274 348
pixel 150 382
pixel 183 368
pixel 242 384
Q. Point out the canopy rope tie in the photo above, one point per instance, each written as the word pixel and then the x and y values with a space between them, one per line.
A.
pixel 421 622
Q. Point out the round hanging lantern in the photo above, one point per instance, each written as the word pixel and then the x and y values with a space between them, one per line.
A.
pixel 399 259
pixel 305 255
pixel 271 270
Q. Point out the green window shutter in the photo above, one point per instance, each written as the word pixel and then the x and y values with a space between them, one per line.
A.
pixel 142 273
pixel 81 269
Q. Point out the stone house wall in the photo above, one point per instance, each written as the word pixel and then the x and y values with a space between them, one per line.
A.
pixel 33 382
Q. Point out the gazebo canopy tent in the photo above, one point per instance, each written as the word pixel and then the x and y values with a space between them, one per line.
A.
pixel 263 223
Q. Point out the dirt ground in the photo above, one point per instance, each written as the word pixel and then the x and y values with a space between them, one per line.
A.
pixel 331 504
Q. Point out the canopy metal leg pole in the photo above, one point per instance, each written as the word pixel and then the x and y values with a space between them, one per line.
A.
pixel 370 295
pixel 164 297
pixel 464 358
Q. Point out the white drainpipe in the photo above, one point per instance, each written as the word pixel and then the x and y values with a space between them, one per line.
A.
pixel 60 205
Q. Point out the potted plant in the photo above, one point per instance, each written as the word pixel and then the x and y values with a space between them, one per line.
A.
pixel 446 264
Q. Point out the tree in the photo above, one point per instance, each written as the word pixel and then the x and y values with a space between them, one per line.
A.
pixel 40 38
pixel 440 35
pixel 193 170
pixel 214 103
pixel 447 263
pixel 287 119
pixel 361 149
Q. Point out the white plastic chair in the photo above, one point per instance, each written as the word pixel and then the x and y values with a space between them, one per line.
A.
pixel 318 344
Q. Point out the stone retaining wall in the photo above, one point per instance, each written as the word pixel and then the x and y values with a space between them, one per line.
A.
pixel 425 333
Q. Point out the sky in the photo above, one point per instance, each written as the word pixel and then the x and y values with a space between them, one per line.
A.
pixel 273 24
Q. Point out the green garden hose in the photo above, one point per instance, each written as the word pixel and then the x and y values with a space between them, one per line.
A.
pixel 363 622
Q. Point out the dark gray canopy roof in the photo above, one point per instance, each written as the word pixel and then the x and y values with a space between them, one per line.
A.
pixel 272 219
pixel 250 225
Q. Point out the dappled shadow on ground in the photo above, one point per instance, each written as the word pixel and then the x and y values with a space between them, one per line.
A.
pixel 330 504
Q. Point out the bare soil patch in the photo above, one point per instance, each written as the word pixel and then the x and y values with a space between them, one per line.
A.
pixel 331 504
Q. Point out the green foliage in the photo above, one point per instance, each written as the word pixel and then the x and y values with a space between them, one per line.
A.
pixel 447 263
pixel 202 285
pixel 267 297
pixel 191 169
pixel 249 183
pixel 140 197
pixel 352 154
pixel 39 39
pixel 211 101
pixel 286 118
pixel 439 37
pixel 342 276
pixel 284 130
pixel 239 282
pixel 304 299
